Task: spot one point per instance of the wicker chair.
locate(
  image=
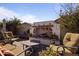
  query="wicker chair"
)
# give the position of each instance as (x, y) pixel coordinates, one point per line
(70, 45)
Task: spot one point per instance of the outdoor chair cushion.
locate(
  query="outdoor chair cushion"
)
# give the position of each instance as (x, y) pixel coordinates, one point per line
(14, 49)
(71, 40)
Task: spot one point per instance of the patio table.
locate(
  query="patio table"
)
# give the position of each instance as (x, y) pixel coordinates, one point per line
(29, 44)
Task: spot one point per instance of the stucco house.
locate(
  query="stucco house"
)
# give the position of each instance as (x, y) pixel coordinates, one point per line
(38, 28)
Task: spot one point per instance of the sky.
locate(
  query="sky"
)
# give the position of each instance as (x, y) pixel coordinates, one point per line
(30, 12)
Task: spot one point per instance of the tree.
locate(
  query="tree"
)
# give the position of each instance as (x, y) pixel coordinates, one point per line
(12, 25)
(69, 19)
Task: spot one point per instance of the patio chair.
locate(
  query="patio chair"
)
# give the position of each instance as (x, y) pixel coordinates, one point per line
(9, 37)
(70, 45)
(5, 52)
(17, 51)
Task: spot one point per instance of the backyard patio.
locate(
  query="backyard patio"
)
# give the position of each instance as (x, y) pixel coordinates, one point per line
(18, 49)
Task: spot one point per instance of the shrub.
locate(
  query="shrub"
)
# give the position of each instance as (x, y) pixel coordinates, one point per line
(48, 52)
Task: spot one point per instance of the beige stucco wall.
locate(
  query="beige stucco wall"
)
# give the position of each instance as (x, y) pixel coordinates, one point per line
(24, 27)
(56, 29)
